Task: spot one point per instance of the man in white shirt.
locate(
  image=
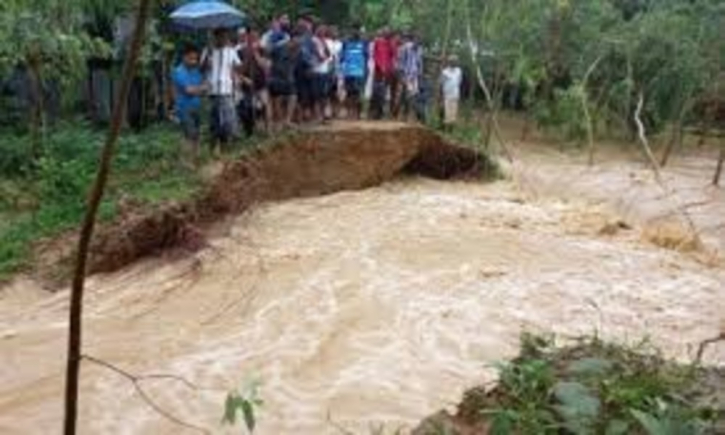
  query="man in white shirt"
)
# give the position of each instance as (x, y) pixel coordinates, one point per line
(222, 65)
(450, 81)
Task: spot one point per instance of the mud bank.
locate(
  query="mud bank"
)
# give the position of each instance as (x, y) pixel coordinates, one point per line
(345, 156)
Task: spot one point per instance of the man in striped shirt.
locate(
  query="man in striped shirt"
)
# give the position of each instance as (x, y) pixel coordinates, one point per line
(410, 71)
(222, 65)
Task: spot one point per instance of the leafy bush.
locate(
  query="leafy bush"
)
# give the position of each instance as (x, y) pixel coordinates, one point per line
(592, 388)
(53, 188)
(563, 113)
(15, 156)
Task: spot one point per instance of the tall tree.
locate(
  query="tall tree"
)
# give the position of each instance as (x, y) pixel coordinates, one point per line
(75, 338)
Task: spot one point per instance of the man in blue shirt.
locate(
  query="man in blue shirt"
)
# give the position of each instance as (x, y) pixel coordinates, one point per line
(354, 63)
(189, 86)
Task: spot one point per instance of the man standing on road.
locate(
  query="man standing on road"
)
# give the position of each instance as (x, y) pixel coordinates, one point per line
(354, 65)
(382, 74)
(450, 81)
(410, 70)
(222, 65)
(307, 61)
(282, 85)
(189, 86)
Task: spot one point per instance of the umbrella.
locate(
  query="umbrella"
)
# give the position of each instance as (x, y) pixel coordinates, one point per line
(207, 14)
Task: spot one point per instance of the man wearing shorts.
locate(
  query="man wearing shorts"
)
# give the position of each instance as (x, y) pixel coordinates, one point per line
(306, 63)
(282, 87)
(189, 86)
(354, 64)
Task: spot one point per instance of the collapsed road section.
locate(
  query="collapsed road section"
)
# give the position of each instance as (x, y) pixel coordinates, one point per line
(347, 156)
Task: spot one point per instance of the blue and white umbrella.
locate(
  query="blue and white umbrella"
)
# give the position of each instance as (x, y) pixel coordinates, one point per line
(207, 14)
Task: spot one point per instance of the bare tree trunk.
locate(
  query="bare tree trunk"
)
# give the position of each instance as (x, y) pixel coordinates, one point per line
(642, 133)
(630, 93)
(438, 97)
(585, 108)
(643, 139)
(486, 91)
(718, 170)
(677, 134)
(94, 200)
(37, 115)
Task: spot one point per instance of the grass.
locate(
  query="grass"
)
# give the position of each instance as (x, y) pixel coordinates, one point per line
(44, 197)
(593, 387)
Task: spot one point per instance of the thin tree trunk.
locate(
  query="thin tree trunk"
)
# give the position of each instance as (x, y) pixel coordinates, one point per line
(94, 200)
(37, 122)
(718, 170)
(585, 107)
(642, 133)
(677, 135)
(438, 97)
(486, 91)
(630, 92)
(498, 88)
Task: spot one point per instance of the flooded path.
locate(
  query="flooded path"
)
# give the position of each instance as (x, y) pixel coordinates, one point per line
(354, 309)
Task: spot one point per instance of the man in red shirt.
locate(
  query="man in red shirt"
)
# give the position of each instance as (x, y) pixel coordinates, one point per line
(384, 68)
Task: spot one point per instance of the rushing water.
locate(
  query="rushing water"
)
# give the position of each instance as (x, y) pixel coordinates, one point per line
(355, 309)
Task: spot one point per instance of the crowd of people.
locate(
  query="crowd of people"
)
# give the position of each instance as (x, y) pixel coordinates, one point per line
(303, 73)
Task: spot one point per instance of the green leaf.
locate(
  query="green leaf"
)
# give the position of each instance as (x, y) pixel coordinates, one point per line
(504, 422)
(617, 427)
(590, 367)
(248, 410)
(579, 408)
(230, 409)
(576, 396)
(651, 424)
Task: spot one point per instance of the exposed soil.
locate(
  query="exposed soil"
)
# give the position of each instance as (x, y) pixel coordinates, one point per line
(318, 162)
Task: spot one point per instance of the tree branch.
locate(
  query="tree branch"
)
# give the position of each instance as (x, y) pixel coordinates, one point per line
(642, 133)
(705, 344)
(136, 382)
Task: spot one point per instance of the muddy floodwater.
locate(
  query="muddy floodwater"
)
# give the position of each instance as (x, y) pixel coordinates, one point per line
(356, 309)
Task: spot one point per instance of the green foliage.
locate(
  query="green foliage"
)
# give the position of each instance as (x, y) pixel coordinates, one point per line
(247, 402)
(563, 113)
(671, 51)
(48, 197)
(49, 33)
(592, 388)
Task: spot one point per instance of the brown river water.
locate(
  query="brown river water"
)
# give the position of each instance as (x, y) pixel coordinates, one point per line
(353, 310)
